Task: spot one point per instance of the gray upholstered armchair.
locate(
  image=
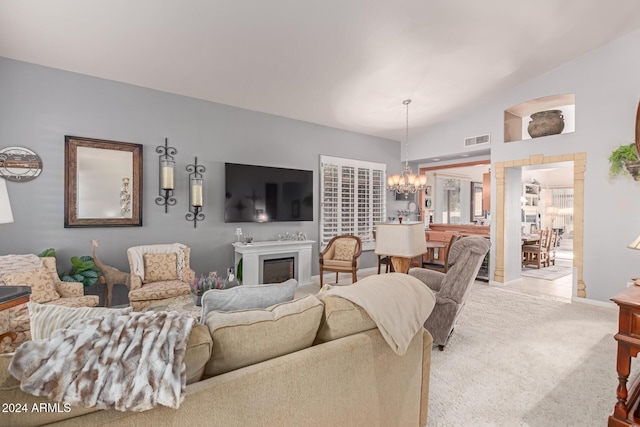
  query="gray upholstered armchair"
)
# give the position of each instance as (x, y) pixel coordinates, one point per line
(451, 289)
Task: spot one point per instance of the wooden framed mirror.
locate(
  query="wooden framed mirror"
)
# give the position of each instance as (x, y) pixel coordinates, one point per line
(103, 183)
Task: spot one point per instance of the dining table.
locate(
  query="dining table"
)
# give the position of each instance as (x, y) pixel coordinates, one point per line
(530, 239)
(431, 247)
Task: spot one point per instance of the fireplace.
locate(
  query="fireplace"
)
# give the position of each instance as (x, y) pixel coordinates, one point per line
(255, 254)
(278, 270)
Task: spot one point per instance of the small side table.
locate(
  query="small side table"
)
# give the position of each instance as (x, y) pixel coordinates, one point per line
(10, 296)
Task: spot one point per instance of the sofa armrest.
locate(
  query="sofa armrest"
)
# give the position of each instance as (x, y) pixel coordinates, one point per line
(427, 343)
(433, 279)
(136, 282)
(188, 275)
(70, 289)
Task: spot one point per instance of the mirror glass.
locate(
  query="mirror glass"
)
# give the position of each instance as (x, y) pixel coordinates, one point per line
(103, 183)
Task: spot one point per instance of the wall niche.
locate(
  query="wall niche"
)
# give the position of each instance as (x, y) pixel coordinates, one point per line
(518, 117)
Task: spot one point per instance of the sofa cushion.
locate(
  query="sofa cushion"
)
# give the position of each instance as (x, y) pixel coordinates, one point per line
(243, 338)
(341, 317)
(43, 289)
(247, 297)
(160, 267)
(198, 352)
(46, 318)
(160, 290)
(7, 381)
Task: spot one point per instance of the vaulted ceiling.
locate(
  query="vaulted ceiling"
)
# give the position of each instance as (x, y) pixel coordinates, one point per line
(347, 64)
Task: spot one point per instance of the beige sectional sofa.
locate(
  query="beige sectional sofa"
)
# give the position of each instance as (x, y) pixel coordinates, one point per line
(309, 362)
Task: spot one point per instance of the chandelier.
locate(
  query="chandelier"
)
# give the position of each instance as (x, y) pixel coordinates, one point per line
(407, 182)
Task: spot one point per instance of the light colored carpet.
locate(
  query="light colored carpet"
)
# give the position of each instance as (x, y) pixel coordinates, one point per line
(518, 360)
(563, 267)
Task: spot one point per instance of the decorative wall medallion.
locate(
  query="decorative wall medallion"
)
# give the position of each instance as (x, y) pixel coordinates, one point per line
(19, 164)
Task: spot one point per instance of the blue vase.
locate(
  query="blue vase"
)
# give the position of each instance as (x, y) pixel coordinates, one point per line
(197, 299)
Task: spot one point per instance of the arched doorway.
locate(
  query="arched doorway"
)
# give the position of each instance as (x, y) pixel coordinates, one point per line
(579, 166)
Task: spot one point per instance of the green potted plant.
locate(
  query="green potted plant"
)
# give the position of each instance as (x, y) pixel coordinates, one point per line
(624, 161)
(83, 269)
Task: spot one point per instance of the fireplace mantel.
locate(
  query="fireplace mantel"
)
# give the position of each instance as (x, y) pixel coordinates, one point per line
(253, 254)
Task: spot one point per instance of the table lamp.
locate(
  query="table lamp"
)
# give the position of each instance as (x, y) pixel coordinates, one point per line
(5, 207)
(401, 242)
(635, 245)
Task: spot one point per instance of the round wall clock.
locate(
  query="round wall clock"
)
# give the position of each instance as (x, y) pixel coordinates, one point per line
(19, 164)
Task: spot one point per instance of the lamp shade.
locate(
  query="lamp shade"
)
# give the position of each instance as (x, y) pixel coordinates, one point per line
(401, 240)
(5, 207)
(635, 244)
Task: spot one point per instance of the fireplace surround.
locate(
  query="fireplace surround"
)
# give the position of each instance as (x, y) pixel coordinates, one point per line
(254, 255)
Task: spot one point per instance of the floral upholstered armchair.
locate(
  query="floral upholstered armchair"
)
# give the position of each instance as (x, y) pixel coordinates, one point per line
(341, 255)
(41, 275)
(159, 274)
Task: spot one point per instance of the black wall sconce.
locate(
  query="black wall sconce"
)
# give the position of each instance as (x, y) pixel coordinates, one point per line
(167, 166)
(196, 183)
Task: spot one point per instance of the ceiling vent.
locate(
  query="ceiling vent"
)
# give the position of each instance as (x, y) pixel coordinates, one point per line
(477, 140)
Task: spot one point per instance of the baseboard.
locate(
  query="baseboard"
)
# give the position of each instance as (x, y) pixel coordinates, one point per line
(606, 304)
(505, 284)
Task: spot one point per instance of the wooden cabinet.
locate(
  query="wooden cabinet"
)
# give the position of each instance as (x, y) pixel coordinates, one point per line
(486, 191)
(626, 412)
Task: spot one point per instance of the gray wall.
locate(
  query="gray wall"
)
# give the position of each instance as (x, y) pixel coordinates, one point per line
(606, 87)
(39, 106)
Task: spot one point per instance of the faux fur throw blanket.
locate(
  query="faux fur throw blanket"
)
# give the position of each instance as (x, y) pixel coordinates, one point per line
(125, 361)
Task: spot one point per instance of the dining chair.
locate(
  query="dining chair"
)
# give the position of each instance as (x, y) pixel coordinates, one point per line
(536, 254)
(441, 262)
(552, 242)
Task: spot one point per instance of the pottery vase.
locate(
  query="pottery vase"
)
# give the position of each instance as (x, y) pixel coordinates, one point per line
(633, 168)
(544, 123)
(197, 299)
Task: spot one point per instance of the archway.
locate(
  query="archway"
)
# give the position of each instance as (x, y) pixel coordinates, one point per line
(579, 166)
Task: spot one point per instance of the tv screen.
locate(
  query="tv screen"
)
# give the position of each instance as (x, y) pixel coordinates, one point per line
(267, 194)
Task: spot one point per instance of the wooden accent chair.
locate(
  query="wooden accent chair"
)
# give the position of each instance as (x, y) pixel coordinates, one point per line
(452, 288)
(536, 254)
(159, 274)
(441, 261)
(342, 255)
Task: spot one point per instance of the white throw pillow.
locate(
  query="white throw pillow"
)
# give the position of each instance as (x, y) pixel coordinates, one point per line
(247, 297)
(47, 318)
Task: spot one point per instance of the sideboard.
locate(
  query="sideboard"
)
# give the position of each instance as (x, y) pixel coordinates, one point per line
(626, 411)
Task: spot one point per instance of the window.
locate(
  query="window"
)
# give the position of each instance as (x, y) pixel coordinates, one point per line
(352, 198)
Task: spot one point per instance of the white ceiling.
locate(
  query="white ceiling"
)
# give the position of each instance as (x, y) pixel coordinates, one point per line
(348, 64)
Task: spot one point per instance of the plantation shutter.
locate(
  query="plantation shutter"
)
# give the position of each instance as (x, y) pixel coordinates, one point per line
(353, 198)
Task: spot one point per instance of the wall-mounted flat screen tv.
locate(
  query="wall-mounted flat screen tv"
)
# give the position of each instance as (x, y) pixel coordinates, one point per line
(267, 194)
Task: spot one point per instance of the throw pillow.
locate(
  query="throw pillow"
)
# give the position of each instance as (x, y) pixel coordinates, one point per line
(247, 297)
(160, 267)
(44, 319)
(243, 338)
(43, 289)
(345, 249)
